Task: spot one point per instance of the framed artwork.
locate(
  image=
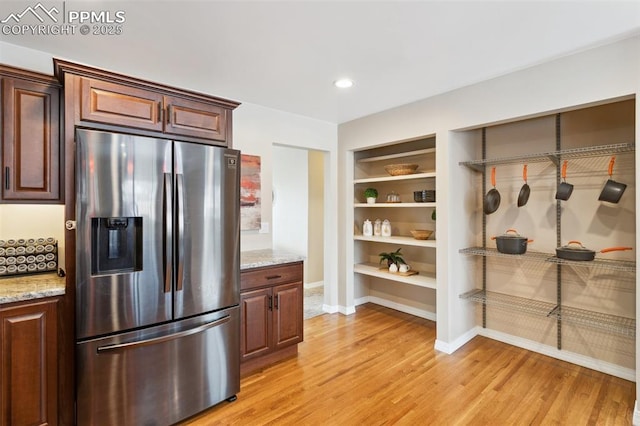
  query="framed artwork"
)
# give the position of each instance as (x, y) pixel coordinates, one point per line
(250, 206)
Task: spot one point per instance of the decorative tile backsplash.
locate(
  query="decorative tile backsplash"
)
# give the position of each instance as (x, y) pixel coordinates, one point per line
(28, 256)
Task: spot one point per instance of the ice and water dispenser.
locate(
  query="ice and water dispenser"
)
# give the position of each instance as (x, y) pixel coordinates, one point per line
(116, 245)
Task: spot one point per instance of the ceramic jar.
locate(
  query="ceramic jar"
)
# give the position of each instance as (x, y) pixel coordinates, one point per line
(367, 228)
(386, 228)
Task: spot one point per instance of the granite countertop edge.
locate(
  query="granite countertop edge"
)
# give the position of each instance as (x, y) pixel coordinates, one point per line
(266, 257)
(21, 288)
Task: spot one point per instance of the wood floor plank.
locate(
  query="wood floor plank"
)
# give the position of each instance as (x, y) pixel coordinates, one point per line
(379, 367)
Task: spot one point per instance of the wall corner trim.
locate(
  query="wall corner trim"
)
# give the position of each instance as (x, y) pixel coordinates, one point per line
(450, 348)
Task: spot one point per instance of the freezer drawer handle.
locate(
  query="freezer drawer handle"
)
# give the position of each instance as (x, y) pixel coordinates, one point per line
(156, 340)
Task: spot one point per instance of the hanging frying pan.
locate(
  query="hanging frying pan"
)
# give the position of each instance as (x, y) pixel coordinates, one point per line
(523, 196)
(612, 190)
(564, 189)
(492, 199)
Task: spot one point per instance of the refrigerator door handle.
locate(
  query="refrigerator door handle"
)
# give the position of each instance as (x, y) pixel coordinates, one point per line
(162, 339)
(180, 236)
(167, 220)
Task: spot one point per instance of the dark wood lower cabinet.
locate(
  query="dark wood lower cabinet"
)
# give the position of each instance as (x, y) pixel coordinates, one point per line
(29, 378)
(271, 300)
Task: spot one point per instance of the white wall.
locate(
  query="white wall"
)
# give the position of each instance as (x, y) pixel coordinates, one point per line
(290, 200)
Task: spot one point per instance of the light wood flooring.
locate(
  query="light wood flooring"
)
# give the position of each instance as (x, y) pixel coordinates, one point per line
(379, 367)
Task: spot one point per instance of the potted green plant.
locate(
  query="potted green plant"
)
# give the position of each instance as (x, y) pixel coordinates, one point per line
(392, 258)
(371, 194)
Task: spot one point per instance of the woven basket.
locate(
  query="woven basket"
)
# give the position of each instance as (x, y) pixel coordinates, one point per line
(401, 169)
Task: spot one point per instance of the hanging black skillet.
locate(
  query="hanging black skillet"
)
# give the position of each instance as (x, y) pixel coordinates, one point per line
(523, 196)
(564, 189)
(492, 199)
(612, 190)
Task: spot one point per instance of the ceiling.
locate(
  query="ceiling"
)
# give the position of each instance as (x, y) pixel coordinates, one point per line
(286, 55)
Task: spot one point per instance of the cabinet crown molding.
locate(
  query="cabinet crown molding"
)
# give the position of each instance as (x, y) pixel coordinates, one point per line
(60, 67)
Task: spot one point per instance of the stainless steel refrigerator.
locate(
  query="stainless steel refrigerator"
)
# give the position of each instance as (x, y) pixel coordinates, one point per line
(157, 278)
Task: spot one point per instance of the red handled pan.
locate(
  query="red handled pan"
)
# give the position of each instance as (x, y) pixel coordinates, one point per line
(564, 189)
(523, 196)
(612, 190)
(574, 250)
(492, 198)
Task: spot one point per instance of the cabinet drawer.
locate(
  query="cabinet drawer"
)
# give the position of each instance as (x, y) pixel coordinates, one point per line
(270, 275)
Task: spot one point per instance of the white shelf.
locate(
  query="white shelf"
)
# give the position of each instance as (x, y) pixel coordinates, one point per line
(423, 279)
(396, 205)
(407, 241)
(421, 175)
(399, 155)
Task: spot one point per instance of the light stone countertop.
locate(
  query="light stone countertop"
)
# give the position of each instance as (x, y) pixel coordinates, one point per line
(17, 288)
(267, 257)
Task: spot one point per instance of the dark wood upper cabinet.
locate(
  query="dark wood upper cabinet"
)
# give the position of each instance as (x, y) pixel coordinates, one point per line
(193, 118)
(106, 100)
(120, 105)
(31, 168)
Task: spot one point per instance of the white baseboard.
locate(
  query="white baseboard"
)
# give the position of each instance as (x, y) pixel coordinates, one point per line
(572, 357)
(330, 309)
(450, 348)
(397, 306)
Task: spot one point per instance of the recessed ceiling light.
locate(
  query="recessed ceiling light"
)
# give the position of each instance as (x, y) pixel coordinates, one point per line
(343, 83)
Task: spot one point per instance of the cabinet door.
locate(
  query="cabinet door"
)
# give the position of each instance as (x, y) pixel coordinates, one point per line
(120, 105)
(287, 314)
(30, 141)
(28, 360)
(255, 326)
(196, 119)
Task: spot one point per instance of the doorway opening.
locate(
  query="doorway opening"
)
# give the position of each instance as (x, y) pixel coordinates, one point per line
(298, 216)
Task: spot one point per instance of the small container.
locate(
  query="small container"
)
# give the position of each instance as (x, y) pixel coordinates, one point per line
(393, 197)
(377, 228)
(367, 228)
(386, 228)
